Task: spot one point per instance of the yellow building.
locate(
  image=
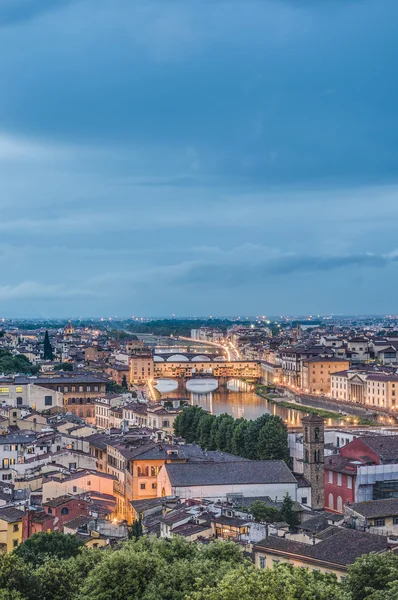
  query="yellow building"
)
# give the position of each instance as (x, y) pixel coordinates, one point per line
(316, 373)
(141, 367)
(10, 528)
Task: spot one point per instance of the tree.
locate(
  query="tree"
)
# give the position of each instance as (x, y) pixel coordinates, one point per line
(124, 382)
(56, 580)
(47, 348)
(261, 512)
(122, 575)
(41, 546)
(273, 440)
(370, 574)
(284, 582)
(135, 530)
(288, 513)
(18, 576)
(63, 367)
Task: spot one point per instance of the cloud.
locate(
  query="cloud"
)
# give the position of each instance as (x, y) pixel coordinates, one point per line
(248, 264)
(32, 289)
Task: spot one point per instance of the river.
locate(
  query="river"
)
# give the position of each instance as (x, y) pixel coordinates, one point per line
(238, 400)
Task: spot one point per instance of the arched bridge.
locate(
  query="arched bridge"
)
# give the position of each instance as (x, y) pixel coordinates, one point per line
(189, 357)
(227, 369)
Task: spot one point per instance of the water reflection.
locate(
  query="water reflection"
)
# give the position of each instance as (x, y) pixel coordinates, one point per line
(239, 400)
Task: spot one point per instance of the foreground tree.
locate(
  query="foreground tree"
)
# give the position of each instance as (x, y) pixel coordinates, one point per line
(281, 583)
(42, 546)
(371, 575)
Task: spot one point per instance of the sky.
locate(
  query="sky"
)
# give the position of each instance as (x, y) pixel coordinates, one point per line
(198, 157)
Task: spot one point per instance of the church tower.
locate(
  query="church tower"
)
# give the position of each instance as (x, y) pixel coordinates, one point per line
(314, 461)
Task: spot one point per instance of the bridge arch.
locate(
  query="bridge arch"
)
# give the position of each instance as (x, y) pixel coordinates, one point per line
(177, 358)
(200, 358)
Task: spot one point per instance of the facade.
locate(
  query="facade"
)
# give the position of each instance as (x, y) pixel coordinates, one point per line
(365, 387)
(216, 480)
(141, 367)
(64, 509)
(11, 528)
(313, 467)
(31, 395)
(316, 376)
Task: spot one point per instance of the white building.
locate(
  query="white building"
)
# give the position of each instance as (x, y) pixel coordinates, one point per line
(215, 480)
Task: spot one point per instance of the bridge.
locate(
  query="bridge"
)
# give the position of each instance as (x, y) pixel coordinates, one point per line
(223, 370)
(188, 357)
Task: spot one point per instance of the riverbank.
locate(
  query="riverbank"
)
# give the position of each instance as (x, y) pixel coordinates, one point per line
(262, 391)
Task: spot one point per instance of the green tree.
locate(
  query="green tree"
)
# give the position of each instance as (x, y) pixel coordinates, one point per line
(122, 575)
(284, 582)
(263, 513)
(65, 366)
(18, 576)
(288, 514)
(124, 382)
(42, 546)
(273, 440)
(239, 437)
(47, 348)
(372, 573)
(135, 530)
(56, 580)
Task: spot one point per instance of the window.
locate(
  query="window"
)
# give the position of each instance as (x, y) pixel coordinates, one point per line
(339, 479)
(316, 434)
(330, 476)
(349, 482)
(262, 562)
(154, 486)
(380, 522)
(395, 521)
(19, 401)
(15, 543)
(50, 511)
(304, 500)
(306, 456)
(64, 511)
(142, 486)
(153, 471)
(48, 400)
(74, 489)
(15, 527)
(331, 503)
(339, 504)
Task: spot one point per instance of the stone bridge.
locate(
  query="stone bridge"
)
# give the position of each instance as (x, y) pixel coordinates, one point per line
(221, 370)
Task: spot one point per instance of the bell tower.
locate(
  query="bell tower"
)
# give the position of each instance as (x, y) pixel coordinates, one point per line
(314, 461)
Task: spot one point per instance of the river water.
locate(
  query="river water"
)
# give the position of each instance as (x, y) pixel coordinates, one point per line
(238, 400)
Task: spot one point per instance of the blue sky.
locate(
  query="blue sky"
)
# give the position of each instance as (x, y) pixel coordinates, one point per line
(198, 157)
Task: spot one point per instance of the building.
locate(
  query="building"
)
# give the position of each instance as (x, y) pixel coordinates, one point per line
(141, 367)
(313, 467)
(365, 469)
(365, 387)
(64, 509)
(79, 483)
(216, 480)
(375, 516)
(316, 373)
(332, 554)
(31, 395)
(10, 528)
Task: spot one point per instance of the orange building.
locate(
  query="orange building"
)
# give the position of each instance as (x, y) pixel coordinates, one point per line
(316, 373)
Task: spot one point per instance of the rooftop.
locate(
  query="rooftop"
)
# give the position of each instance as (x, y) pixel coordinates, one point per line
(228, 473)
(342, 548)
